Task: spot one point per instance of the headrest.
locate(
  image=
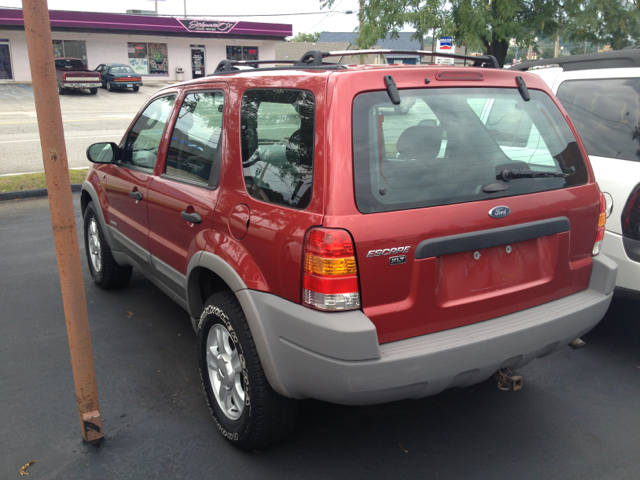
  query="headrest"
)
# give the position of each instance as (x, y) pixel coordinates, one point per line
(419, 143)
(299, 149)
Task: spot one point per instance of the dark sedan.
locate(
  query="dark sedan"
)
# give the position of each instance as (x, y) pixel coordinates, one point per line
(118, 75)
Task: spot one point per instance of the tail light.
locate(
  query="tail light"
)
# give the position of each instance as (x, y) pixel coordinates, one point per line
(64, 77)
(602, 219)
(631, 215)
(330, 273)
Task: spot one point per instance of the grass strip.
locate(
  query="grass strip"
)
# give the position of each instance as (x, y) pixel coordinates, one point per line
(33, 181)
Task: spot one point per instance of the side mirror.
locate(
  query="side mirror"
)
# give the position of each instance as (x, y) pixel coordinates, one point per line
(104, 152)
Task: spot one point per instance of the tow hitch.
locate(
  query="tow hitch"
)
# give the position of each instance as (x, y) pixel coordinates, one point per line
(507, 380)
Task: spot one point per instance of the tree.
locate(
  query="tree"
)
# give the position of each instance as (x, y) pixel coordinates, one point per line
(490, 23)
(306, 37)
(602, 22)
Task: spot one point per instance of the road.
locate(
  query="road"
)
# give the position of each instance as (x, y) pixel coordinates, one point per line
(87, 119)
(577, 417)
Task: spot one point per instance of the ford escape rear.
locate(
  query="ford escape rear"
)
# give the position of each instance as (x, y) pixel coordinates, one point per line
(354, 234)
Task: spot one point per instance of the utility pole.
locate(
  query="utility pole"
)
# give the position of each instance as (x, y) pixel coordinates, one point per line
(361, 25)
(54, 154)
(185, 8)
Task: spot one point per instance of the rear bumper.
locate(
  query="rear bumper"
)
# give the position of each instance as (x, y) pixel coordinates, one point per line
(628, 269)
(125, 84)
(82, 85)
(336, 357)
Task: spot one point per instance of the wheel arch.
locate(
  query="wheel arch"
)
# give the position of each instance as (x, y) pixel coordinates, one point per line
(207, 274)
(89, 194)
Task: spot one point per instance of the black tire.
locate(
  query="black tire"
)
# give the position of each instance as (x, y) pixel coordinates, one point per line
(109, 87)
(104, 85)
(266, 417)
(93, 90)
(135, 89)
(105, 271)
(61, 91)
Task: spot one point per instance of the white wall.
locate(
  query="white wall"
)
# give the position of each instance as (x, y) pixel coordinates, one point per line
(19, 55)
(112, 48)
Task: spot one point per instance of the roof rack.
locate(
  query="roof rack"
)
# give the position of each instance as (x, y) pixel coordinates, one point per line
(627, 58)
(315, 59)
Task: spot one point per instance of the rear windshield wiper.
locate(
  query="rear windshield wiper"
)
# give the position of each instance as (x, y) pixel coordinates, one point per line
(509, 174)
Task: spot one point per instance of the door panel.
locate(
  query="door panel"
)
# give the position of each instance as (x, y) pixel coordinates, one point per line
(126, 214)
(182, 199)
(129, 178)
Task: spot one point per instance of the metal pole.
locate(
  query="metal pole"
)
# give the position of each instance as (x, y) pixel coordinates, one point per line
(361, 25)
(54, 155)
(185, 8)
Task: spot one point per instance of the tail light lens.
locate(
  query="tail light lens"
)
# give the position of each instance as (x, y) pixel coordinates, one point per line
(330, 273)
(602, 219)
(631, 215)
(64, 77)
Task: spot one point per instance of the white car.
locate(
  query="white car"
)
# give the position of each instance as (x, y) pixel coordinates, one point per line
(601, 94)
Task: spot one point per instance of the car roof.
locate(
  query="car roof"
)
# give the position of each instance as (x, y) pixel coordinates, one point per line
(116, 65)
(626, 58)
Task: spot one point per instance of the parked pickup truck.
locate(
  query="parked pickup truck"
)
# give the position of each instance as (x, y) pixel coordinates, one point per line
(73, 73)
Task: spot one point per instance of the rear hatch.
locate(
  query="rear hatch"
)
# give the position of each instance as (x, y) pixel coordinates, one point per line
(444, 238)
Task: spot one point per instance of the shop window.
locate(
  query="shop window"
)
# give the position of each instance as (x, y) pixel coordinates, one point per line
(5, 60)
(71, 49)
(242, 53)
(148, 58)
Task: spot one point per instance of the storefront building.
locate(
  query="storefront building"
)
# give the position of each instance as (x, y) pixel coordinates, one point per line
(155, 47)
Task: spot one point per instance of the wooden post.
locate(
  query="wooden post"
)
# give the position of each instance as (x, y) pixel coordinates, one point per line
(65, 236)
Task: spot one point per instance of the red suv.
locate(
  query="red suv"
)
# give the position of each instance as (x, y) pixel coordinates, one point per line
(355, 234)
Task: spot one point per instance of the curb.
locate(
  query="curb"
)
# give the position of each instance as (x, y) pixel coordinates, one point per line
(39, 192)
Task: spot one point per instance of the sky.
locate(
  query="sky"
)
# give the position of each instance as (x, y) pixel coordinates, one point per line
(323, 20)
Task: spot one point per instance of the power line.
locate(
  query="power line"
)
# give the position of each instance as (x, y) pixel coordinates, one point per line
(345, 12)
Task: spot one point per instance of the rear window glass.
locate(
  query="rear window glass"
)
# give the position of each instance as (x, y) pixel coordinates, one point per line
(70, 64)
(444, 146)
(606, 114)
(277, 145)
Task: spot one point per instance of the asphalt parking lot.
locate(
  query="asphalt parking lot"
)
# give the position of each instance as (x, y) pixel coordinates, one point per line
(578, 415)
(87, 119)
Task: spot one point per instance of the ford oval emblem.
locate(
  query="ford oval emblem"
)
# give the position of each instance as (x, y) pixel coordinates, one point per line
(499, 212)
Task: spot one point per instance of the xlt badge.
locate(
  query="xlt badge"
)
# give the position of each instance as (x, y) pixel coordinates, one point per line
(398, 260)
(387, 251)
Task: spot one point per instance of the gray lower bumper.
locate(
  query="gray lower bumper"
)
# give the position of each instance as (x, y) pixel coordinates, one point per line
(335, 357)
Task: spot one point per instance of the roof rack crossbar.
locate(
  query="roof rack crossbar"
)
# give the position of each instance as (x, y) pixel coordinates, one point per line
(315, 59)
(490, 60)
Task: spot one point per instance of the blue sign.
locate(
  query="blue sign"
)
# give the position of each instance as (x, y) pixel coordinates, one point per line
(445, 43)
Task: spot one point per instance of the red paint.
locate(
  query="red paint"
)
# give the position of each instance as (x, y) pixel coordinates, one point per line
(263, 242)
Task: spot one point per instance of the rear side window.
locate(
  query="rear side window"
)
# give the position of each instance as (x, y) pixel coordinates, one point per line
(606, 113)
(194, 152)
(444, 146)
(277, 145)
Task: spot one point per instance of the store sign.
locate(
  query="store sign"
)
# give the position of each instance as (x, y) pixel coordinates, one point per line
(444, 44)
(207, 25)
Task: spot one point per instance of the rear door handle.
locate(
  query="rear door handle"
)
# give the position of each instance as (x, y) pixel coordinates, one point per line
(191, 217)
(136, 195)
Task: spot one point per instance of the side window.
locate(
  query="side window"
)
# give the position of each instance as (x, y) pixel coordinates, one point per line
(143, 141)
(606, 113)
(195, 151)
(277, 131)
